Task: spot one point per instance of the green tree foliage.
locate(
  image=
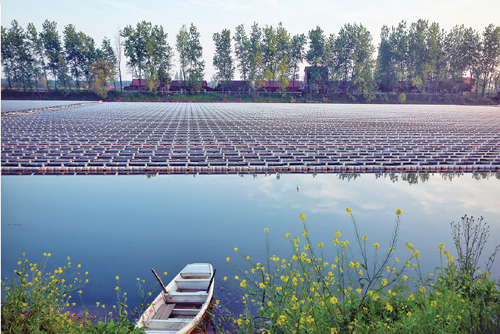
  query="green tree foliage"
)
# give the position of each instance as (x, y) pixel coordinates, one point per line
(108, 54)
(196, 64)
(148, 52)
(355, 58)
(248, 52)
(296, 55)
(489, 63)
(18, 57)
(159, 58)
(52, 48)
(315, 56)
(182, 48)
(134, 43)
(412, 57)
(222, 60)
(101, 72)
(462, 47)
(36, 47)
(242, 54)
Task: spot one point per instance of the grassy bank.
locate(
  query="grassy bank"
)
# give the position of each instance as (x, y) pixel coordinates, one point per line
(365, 288)
(391, 98)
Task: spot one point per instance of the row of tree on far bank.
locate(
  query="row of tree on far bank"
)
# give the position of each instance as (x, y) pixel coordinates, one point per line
(417, 57)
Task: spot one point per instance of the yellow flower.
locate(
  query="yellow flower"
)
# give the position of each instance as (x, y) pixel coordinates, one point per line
(399, 212)
(266, 229)
(422, 289)
(287, 235)
(262, 285)
(376, 246)
(227, 259)
(302, 217)
(236, 277)
(117, 278)
(235, 249)
(320, 244)
(243, 283)
(117, 288)
(388, 307)
(365, 238)
(440, 247)
(337, 234)
(348, 210)
(48, 254)
(408, 314)
(165, 273)
(225, 278)
(333, 300)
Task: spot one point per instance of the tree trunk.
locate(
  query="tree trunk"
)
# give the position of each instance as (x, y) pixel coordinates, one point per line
(485, 82)
(121, 86)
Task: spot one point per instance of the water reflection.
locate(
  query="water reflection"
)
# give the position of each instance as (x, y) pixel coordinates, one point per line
(126, 225)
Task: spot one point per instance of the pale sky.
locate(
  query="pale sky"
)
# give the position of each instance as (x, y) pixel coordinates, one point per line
(104, 18)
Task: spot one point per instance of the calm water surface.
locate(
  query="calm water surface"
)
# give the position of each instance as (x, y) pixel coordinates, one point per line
(125, 225)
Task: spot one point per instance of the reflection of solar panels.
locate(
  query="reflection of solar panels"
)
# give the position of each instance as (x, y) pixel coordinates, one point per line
(135, 138)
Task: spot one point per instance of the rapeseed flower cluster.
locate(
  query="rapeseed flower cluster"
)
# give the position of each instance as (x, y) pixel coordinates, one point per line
(306, 293)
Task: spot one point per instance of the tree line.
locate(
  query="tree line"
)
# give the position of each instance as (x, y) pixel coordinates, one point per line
(416, 57)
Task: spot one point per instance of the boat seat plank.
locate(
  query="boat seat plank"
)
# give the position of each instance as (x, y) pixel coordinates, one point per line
(196, 270)
(191, 290)
(164, 311)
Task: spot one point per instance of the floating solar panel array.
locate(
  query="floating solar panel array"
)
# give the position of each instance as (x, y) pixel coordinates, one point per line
(180, 138)
(15, 108)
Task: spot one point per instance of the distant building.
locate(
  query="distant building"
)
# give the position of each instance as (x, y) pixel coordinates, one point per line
(275, 87)
(175, 86)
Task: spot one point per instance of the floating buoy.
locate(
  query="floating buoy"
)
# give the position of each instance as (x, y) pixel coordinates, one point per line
(298, 188)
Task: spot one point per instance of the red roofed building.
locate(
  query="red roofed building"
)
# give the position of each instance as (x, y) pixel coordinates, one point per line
(275, 87)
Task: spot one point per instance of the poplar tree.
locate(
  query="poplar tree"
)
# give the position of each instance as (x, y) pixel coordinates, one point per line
(222, 60)
(52, 48)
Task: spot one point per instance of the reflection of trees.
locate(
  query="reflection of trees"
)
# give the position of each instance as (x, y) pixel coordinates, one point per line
(451, 176)
(415, 178)
(349, 176)
(411, 178)
(485, 176)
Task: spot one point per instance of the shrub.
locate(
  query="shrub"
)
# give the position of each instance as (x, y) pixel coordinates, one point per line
(402, 98)
(37, 301)
(308, 293)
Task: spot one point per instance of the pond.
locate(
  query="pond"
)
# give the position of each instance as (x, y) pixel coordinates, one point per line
(124, 225)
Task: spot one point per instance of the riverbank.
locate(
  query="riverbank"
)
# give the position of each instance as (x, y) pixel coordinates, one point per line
(379, 98)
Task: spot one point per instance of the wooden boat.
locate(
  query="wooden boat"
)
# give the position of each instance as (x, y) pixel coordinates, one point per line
(182, 308)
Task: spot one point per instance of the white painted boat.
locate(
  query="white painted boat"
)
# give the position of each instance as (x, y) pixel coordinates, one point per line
(183, 307)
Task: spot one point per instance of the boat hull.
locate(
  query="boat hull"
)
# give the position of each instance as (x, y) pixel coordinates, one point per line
(185, 305)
